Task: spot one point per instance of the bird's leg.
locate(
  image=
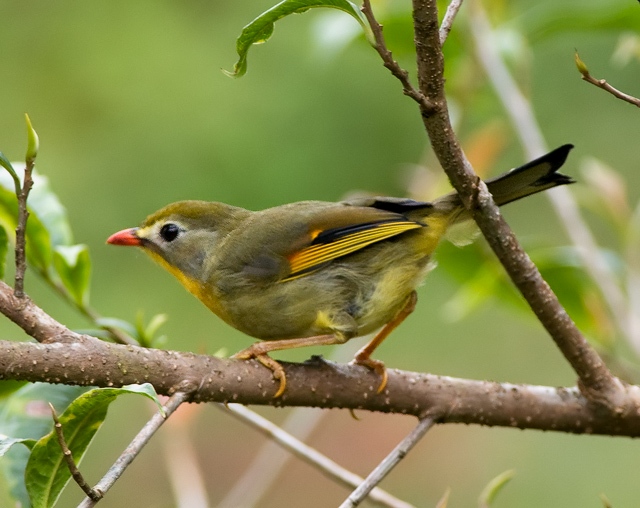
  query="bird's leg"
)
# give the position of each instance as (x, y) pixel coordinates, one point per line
(363, 357)
(260, 351)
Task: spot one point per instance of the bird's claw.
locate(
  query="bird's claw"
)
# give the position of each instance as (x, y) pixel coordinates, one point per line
(269, 363)
(375, 365)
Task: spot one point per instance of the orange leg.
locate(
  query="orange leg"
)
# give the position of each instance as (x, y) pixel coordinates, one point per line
(259, 351)
(363, 357)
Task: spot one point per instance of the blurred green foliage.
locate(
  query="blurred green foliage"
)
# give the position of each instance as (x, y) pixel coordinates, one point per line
(133, 112)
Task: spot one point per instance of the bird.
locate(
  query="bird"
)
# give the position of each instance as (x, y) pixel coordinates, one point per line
(313, 272)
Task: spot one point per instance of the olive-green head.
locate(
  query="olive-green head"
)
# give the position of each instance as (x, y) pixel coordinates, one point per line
(183, 235)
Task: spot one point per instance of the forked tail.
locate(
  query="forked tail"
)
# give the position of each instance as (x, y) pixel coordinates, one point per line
(535, 176)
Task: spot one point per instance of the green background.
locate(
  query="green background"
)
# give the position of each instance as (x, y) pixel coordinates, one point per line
(133, 113)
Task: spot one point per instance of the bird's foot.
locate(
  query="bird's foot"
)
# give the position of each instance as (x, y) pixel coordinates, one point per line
(268, 362)
(375, 365)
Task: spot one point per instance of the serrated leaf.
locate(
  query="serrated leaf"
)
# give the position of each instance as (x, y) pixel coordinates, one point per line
(26, 415)
(261, 28)
(47, 472)
(73, 265)
(493, 488)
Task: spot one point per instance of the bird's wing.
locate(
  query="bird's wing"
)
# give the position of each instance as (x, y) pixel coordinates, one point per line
(347, 228)
(330, 244)
(291, 241)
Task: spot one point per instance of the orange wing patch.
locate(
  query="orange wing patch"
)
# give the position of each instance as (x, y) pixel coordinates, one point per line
(315, 255)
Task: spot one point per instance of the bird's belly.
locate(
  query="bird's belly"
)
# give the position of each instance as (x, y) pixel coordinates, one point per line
(389, 297)
(351, 299)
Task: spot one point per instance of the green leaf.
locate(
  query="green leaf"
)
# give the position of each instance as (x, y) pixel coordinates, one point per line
(8, 387)
(261, 28)
(47, 472)
(145, 335)
(47, 226)
(493, 488)
(73, 266)
(7, 442)
(26, 415)
(4, 162)
(121, 324)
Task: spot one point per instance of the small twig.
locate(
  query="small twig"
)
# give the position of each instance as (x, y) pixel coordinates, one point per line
(23, 212)
(447, 21)
(601, 83)
(135, 447)
(311, 456)
(23, 215)
(71, 464)
(426, 106)
(389, 462)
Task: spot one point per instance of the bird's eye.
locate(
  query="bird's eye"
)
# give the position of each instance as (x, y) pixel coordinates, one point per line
(169, 232)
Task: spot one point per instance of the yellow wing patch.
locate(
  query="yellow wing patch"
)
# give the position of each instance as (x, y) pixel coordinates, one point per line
(314, 255)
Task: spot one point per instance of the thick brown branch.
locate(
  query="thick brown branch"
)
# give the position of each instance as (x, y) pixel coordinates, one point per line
(63, 356)
(595, 379)
(88, 361)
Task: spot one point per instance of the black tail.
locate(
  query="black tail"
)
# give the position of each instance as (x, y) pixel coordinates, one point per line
(535, 176)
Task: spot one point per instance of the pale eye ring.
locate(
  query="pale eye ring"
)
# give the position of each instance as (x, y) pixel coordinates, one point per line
(169, 232)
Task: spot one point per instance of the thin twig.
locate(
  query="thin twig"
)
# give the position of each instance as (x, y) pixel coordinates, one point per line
(518, 107)
(426, 106)
(389, 462)
(71, 464)
(309, 455)
(447, 21)
(135, 447)
(23, 215)
(601, 83)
